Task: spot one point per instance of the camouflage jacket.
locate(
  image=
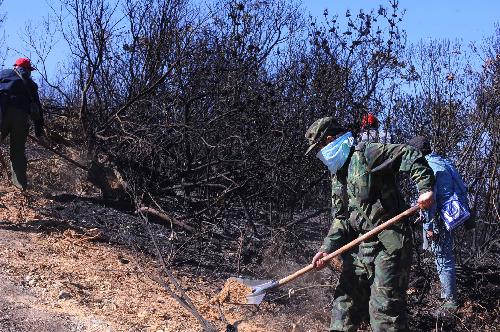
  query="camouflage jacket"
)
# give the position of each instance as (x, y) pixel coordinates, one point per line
(365, 193)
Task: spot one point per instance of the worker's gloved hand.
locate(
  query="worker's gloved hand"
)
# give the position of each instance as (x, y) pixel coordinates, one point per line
(318, 261)
(425, 200)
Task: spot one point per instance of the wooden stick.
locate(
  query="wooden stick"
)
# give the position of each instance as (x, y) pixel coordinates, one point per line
(59, 154)
(351, 244)
(165, 217)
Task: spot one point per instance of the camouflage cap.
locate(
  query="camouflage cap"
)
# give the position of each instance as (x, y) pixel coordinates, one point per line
(319, 130)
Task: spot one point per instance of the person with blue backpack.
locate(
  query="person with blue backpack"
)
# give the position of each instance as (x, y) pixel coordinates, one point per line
(450, 210)
(19, 101)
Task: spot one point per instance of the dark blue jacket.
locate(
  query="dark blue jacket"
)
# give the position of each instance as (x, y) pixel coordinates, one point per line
(19, 93)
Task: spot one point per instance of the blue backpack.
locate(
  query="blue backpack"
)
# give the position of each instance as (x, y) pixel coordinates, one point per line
(454, 211)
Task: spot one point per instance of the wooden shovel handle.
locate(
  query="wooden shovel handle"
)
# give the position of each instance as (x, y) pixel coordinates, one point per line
(351, 244)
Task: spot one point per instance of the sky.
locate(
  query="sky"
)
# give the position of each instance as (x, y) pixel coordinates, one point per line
(469, 20)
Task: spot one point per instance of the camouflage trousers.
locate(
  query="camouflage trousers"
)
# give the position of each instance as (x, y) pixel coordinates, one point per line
(372, 285)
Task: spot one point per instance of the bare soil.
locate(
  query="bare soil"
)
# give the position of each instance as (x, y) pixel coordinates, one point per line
(22, 310)
(233, 292)
(60, 276)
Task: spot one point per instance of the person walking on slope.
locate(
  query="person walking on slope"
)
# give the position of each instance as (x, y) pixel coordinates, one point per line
(374, 276)
(448, 183)
(369, 128)
(19, 100)
(371, 131)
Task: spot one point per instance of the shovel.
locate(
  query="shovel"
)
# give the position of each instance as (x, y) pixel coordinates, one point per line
(260, 287)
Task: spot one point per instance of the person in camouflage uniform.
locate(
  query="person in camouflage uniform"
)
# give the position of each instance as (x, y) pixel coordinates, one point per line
(374, 276)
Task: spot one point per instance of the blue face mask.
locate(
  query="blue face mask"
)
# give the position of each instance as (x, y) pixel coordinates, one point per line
(335, 154)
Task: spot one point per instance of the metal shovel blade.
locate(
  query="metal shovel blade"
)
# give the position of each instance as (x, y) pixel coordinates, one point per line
(259, 289)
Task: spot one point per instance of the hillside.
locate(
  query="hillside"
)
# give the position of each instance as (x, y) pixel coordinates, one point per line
(72, 262)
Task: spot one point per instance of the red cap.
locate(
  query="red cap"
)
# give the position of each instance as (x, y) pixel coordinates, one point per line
(369, 120)
(24, 63)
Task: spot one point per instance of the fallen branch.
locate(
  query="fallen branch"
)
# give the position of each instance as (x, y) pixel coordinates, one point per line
(165, 217)
(59, 154)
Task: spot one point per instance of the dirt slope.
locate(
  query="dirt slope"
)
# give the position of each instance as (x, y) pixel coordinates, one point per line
(62, 277)
(21, 310)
